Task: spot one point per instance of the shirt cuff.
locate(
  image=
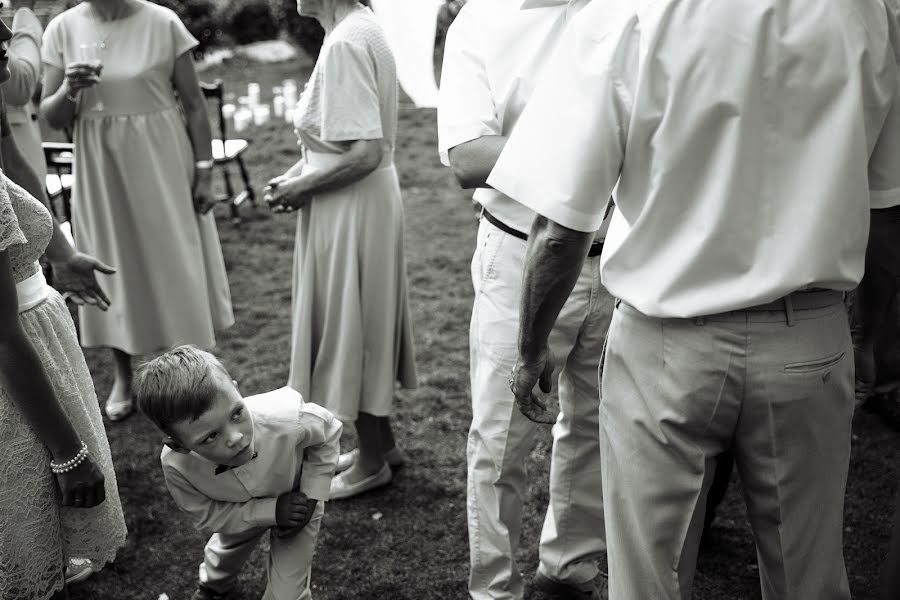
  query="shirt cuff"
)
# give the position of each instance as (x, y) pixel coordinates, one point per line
(546, 202)
(317, 488)
(262, 513)
(884, 198)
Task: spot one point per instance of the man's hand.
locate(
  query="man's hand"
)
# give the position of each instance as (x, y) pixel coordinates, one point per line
(285, 532)
(76, 278)
(291, 510)
(522, 380)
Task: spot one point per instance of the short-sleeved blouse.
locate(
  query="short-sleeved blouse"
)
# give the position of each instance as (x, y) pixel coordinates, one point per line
(352, 92)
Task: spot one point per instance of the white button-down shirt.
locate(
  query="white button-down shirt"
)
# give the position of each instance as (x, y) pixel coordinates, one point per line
(745, 136)
(495, 52)
(296, 443)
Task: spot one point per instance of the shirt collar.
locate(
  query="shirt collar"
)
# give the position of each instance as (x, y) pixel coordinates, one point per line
(526, 4)
(222, 468)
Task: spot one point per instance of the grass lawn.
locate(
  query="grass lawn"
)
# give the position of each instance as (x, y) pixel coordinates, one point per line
(418, 548)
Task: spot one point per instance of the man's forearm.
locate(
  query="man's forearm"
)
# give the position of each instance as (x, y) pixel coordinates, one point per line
(553, 262)
(473, 161)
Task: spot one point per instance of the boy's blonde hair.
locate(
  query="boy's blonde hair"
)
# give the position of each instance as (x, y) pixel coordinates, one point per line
(177, 386)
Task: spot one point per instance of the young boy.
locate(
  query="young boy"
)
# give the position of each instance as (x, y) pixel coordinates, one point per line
(241, 467)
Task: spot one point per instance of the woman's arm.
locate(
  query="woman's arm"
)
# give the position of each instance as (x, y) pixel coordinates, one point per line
(361, 158)
(57, 104)
(188, 87)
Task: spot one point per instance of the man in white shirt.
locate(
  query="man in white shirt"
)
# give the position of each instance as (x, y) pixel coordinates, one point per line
(745, 137)
(495, 52)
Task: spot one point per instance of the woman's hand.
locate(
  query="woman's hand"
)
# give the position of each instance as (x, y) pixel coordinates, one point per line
(202, 192)
(76, 277)
(81, 75)
(83, 486)
(286, 194)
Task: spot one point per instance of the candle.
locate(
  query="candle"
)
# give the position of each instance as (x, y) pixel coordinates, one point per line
(261, 114)
(278, 105)
(228, 111)
(289, 114)
(242, 119)
(289, 91)
(253, 93)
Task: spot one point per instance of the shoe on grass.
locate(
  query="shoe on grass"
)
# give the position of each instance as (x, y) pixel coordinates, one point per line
(205, 593)
(341, 488)
(395, 457)
(78, 569)
(118, 410)
(562, 590)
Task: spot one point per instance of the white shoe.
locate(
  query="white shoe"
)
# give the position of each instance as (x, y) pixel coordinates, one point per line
(116, 411)
(78, 569)
(341, 488)
(394, 457)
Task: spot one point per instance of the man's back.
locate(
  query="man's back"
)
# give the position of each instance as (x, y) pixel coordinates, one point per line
(742, 132)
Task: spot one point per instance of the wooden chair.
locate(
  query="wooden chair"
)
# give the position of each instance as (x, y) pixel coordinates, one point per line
(59, 157)
(228, 150)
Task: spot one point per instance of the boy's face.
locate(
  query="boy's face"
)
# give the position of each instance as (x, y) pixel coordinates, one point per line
(224, 433)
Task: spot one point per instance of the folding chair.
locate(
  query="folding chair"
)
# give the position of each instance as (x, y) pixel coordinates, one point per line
(59, 157)
(226, 151)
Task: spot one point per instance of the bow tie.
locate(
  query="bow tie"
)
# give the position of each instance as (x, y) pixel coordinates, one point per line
(222, 468)
(526, 4)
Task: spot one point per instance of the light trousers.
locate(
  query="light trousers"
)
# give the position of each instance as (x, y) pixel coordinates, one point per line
(288, 568)
(500, 438)
(678, 392)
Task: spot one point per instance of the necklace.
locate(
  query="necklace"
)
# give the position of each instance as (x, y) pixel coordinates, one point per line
(95, 22)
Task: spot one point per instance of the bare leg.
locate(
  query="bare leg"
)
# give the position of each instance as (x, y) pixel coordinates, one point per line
(119, 404)
(371, 447)
(388, 442)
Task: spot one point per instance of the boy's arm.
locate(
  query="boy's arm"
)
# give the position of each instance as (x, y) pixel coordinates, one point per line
(321, 442)
(217, 515)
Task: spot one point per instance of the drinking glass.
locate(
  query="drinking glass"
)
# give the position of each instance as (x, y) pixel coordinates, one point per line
(91, 53)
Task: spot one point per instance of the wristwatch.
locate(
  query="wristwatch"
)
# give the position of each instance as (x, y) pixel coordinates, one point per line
(204, 164)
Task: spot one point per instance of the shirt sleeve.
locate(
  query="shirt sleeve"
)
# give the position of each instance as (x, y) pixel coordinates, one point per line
(320, 439)
(466, 109)
(216, 515)
(52, 44)
(182, 39)
(884, 163)
(564, 157)
(24, 58)
(351, 109)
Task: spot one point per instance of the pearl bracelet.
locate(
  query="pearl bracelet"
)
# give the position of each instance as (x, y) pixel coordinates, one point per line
(71, 463)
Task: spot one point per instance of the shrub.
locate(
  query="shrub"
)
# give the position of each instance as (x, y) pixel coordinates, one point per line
(246, 21)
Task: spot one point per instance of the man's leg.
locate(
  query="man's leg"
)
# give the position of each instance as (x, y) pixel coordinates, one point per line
(224, 557)
(573, 538)
(670, 399)
(792, 449)
(290, 561)
(891, 572)
(500, 436)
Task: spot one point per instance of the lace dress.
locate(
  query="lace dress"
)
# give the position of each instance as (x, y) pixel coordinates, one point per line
(36, 534)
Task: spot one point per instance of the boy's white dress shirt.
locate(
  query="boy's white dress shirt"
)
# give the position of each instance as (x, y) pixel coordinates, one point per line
(296, 442)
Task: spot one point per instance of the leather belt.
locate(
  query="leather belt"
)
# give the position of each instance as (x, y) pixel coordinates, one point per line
(596, 247)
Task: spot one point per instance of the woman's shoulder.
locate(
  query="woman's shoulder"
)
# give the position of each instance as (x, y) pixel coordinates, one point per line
(359, 31)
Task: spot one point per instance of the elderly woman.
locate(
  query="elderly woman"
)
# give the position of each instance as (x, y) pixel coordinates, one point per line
(112, 69)
(352, 336)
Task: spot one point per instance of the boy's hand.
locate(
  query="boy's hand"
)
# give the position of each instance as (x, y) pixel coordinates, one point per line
(291, 510)
(283, 532)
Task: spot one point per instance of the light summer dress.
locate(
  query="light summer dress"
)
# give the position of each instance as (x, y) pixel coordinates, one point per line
(36, 534)
(131, 201)
(352, 332)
